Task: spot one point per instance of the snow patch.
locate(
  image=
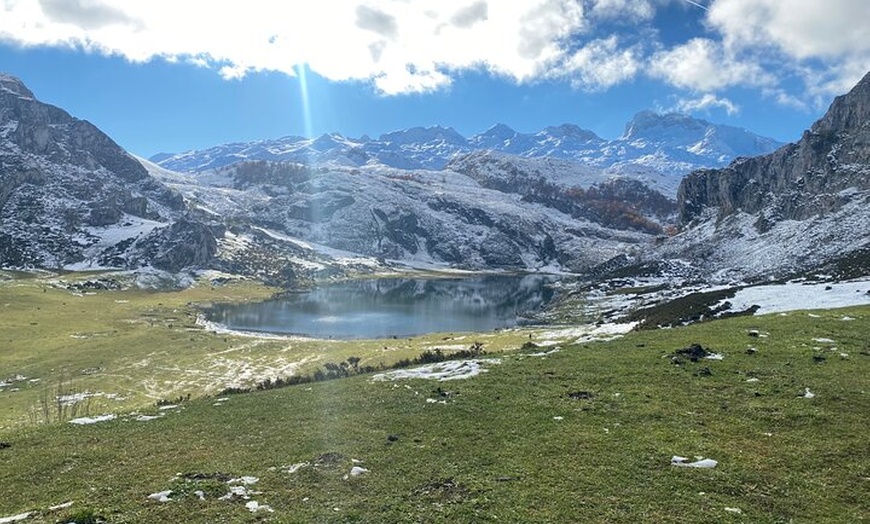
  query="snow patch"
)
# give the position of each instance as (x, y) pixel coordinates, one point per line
(93, 420)
(161, 496)
(254, 506)
(441, 371)
(683, 462)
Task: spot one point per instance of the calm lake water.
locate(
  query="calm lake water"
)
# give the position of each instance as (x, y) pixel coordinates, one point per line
(385, 308)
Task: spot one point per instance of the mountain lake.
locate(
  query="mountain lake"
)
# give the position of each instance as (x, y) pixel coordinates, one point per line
(394, 307)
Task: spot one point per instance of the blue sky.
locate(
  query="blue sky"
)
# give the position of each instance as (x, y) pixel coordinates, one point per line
(163, 76)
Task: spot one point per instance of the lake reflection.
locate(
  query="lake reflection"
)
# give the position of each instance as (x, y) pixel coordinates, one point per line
(384, 308)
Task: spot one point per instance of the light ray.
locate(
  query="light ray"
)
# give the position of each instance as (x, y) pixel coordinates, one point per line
(306, 103)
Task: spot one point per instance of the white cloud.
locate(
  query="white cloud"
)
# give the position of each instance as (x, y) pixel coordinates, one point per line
(706, 102)
(800, 35)
(800, 28)
(705, 65)
(401, 46)
(601, 64)
(632, 10)
(421, 45)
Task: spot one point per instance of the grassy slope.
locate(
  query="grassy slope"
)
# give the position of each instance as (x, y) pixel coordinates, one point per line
(145, 346)
(495, 451)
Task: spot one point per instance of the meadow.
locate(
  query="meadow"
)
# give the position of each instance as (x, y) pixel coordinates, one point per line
(579, 431)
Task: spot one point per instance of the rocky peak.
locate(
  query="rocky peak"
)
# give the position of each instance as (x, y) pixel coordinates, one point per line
(849, 111)
(798, 181)
(647, 123)
(571, 131)
(424, 135)
(497, 132)
(64, 183)
(14, 86)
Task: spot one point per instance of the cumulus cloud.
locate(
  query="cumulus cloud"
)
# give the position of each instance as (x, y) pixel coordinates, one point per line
(405, 46)
(702, 64)
(632, 10)
(400, 46)
(801, 34)
(800, 28)
(470, 15)
(87, 14)
(377, 21)
(705, 103)
(601, 64)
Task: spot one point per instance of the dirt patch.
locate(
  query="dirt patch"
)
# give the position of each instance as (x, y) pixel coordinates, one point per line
(580, 395)
(330, 460)
(443, 491)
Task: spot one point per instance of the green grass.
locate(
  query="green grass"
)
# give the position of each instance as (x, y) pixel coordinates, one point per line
(138, 347)
(495, 452)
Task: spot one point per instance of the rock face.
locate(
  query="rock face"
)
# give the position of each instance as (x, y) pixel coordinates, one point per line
(799, 180)
(62, 182)
(419, 217)
(805, 204)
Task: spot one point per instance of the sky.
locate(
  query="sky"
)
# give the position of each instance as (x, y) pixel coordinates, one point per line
(170, 76)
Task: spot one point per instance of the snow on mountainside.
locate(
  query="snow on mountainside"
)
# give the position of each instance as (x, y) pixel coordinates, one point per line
(418, 217)
(670, 145)
(805, 206)
(562, 199)
(68, 193)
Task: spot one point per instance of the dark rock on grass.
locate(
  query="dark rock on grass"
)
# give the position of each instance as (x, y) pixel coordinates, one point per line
(223, 477)
(443, 393)
(443, 491)
(694, 352)
(5, 445)
(580, 395)
(392, 438)
(818, 359)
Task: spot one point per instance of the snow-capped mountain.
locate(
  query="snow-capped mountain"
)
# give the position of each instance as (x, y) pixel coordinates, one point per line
(805, 206)
(670, 144)
(421, 217)
(69, 196)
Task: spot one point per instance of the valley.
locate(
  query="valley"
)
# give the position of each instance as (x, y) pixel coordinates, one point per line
(578, 422)
(684, 293)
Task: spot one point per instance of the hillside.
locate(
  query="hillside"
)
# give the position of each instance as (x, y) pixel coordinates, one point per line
(580, 432)
(799, 208)
(67, 191)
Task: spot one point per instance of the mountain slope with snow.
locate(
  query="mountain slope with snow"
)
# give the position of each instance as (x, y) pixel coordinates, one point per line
(804, 206)
(652, 145)
(67, 191)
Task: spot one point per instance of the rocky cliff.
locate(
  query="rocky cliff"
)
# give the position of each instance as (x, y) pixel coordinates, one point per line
(797, 181)
(63, 183)
(805, 205)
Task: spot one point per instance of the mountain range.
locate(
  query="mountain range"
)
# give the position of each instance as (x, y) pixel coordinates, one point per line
(562, 199)
(652, 144)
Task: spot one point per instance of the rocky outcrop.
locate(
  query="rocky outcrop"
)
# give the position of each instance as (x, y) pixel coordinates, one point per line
(797, 181)
(64, 183)
(183, 244)
(804, 207)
